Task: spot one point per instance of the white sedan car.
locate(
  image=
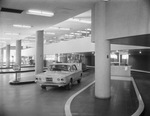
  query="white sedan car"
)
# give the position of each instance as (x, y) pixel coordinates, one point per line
(59, 75)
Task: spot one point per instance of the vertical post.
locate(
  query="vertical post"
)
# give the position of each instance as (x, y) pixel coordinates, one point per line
(102, 51)
(1, 58)
(18, 52)
(119, 59)
(8, 56)
(39, 52)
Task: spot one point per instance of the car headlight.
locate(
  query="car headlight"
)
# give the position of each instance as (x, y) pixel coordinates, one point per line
(58, 79)
(62, 79)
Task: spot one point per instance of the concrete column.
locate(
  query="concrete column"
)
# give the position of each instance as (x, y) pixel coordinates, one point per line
(102, 51)
(2, 53)
(7, 55)
(39, 52)
(18, 52)
(56, 57)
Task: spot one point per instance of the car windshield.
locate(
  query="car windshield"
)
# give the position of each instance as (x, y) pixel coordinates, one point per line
(59, 68)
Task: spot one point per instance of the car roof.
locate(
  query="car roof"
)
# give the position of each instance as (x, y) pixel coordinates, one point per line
(62, 64)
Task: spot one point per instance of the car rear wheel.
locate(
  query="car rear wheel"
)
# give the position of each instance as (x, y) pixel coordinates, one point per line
(43, 87)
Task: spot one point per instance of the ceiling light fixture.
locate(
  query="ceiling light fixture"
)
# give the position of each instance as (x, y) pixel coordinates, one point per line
(79, 20)
(2, 41)
(21, 26)
(49, 33)
(11, 33)
(88, 29)
(40, 13)
(65, 29)
(69, 35)
(75, 33)
(54, 28)
(5, 38)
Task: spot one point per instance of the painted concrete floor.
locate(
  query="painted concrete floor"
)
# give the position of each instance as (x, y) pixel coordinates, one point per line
(123, 101)
(31, 100)
(143, 83)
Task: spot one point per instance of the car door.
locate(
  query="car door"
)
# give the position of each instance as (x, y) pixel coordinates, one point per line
(76, 73)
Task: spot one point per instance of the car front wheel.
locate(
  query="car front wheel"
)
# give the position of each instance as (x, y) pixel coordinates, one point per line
(43, 87)
(79, 81)
(69, 85)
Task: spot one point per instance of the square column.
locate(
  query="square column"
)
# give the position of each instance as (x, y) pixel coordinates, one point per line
(18, 52)
(8, 56)
(102, 51)
(39, 52)
(1, 57)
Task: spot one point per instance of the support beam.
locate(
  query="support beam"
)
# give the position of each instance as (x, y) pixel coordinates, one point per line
(102, 51)
(18, 52)
(39, 52)
(8, 56)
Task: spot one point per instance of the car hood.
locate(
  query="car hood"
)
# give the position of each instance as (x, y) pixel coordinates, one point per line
(54, 74)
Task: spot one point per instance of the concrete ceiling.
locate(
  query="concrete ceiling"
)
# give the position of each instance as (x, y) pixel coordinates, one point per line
(63, 9)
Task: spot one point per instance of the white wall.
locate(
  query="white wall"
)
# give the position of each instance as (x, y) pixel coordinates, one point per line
(76, 45)
(127, 18)
(71, 46)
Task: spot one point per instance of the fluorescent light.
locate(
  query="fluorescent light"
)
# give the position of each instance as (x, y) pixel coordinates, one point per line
(40, 13)
(78, 20)
(88, 29)
(54, 28)
(75, 33)
(5, 38)
(69, 35)
(49, 33)
(2, 41)
(65, 29)
(60, 28)
(21, 26)
(11, 33)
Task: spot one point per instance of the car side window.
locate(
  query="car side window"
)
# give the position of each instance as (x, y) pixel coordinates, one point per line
(69, 68)
(74, 68)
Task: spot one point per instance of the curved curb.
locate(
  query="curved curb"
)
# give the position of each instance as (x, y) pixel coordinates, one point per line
(67, 105)
(141, 103)
(137, 113)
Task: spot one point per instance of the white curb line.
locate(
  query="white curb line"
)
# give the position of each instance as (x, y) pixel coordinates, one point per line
(138, 111)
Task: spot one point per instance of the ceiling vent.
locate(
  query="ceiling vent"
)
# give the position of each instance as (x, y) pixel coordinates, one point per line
(10, 10)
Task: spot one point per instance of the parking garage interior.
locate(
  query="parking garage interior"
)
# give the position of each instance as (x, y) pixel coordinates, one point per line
(113, 54)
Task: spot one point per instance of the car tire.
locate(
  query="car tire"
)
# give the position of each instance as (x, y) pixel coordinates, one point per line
(43, 87)
(79, 81)
(69, 85)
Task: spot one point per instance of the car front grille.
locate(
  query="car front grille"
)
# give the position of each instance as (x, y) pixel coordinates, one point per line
(49, 79)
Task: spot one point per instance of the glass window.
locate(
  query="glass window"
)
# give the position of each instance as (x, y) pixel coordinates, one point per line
(59, 68)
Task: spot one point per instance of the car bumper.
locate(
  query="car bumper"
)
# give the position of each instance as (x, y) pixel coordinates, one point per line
(53, 84)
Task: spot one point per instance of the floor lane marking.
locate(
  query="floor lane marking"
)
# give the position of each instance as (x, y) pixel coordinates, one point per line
(138, 111)
(68, 103)
(141, 103)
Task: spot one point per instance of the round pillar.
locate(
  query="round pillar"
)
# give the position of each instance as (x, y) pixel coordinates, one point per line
(39, 52)
(102, 51)
(18, 52)
(2, 53)
(8, 56)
